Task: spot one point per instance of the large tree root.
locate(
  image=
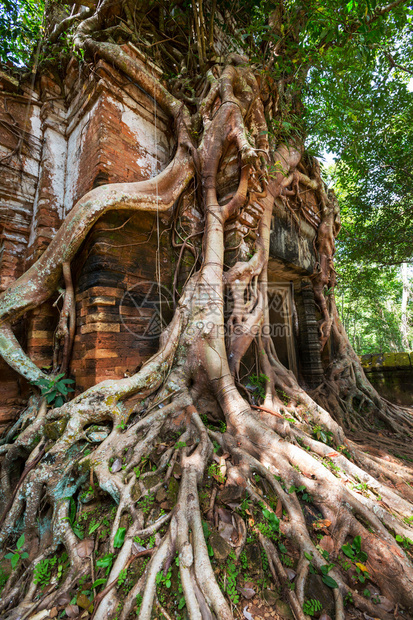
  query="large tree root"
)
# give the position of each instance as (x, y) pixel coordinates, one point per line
(122, 442)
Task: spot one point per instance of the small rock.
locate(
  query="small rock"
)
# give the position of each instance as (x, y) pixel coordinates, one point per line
(72, 611)
(247, 592)
(98, 436)
(284, 610)
(160, 495)
(253, 553)
(270, 597)
(63, 599)
(83, 601)
(220, 546)
(385, 604)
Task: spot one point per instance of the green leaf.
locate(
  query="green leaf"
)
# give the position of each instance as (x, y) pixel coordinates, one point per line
(24, 555)
(357, 544)
(93, 527)
(20, 542)
(329, 581)
(106, 561)
(399, 538)
(347, 549)
(78, 532)
(62, 388)
(14, 560)
(119, 537)
(98, 582)
(309, 556)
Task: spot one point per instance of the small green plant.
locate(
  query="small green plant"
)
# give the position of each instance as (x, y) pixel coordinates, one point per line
(273, 521)
(180, 444)
(122, 577)
(17, 555)
(259, 382)
(119, 538)
(165, 580)
(138, 603)
(43, 571)
(312, 606)
(348, 599)
(215, 472)
(231, 583)
(146, 503)
(323, 435)
(305, 496)
(287, 561)
(329, 581)
(3, 578)
(404, 541)
(355, 553)
(55, 389)
(105, 562)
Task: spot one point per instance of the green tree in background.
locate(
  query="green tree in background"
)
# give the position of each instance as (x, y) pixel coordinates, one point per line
(20, 29)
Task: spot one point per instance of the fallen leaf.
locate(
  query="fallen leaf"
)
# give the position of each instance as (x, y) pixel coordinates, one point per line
(321, 523)
(361, 567)
(327, 543)
(247, 592)
(332, 455)
(53, 612)
(85, 547)
(63, 599)
(72, 611)
(225, 515)
(290, 574)
(228, 533)
(324, 616)
(247, 614)
(116, 466)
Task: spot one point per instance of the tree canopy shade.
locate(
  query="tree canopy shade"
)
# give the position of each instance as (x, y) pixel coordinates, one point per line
(267, 455)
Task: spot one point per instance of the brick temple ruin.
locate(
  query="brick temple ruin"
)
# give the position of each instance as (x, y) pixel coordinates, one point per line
(60, 140)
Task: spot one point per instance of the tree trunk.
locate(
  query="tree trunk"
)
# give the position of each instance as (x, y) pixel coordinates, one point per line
(404, 325)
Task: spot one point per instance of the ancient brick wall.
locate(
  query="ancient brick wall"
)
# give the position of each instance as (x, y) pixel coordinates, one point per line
(57, 142)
